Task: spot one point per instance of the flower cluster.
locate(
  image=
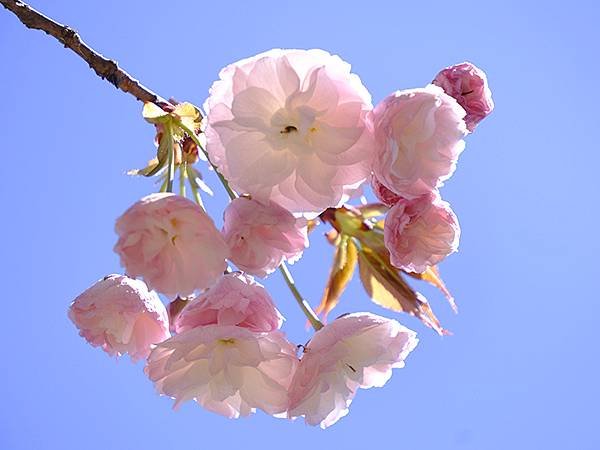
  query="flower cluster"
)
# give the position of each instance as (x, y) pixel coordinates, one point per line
(293, 136)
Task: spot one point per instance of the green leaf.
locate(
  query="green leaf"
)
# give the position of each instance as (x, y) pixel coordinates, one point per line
(188, 116)
(344, 264)
(154, 114)
(372, 210)
(350, 221)
(388, 289)
(147, 171)
(162, 153)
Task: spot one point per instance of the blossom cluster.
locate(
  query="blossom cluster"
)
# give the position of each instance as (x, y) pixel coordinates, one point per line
(293, 133)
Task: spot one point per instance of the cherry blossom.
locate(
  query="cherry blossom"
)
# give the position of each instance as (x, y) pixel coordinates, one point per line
(228, 370)
(419, 135)
(121, 316)
(291, 126)
(236, 299)
(420, 233)
(354, 351)
(468, 84)
(262, 235)
(172, 243)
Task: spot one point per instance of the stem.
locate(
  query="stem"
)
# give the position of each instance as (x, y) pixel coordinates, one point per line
(191, 177)
(107, 69)
(304, 306)
(163, 186)
(193, 137)
(171, 151)
(182, 177)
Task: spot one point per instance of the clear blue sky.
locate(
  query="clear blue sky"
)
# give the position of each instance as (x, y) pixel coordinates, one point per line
(522, 369)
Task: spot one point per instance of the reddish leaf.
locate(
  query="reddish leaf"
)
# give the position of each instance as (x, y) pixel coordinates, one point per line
(332, 236)
(344, 264)
(312, 224)
(388, 289)
(432, 276)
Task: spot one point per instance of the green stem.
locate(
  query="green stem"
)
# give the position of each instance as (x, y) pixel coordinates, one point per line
(171, 149)
(304, 306)
(193, 137)
(191, 177)
(163, 186)
(182, 177)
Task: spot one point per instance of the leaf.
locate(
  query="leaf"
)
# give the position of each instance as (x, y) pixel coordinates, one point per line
(189, 116)
(388, 289)
(154, 114)
(332, 236)
(150, 168)
(162, 153)
(432, 276)
(155, 165)
(311, 224)
(372, 210)
(195, 177)
(344, 264)
(184, 114)
(350, 221)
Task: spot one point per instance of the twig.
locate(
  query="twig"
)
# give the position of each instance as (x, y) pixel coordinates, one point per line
(110, 71)
(104, 68)
(304, 306)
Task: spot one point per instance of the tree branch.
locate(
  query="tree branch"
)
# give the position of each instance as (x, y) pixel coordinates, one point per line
(104, 68)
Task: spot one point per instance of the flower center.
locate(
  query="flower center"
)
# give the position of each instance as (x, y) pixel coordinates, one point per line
(289, 129)
(294, 129)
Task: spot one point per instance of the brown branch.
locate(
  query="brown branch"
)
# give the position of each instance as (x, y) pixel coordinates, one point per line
(104, 68)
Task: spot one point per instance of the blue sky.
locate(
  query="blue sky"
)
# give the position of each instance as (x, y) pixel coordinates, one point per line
(521, 370)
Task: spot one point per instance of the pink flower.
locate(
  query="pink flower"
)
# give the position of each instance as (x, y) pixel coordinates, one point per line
(228, 370)
(467, 83)
(383, 194)
(419, 134)
(262, 235)
(420, 233)
(236, 299)
(355, 351)
(120, 315)
(172, 243)
(291, 126)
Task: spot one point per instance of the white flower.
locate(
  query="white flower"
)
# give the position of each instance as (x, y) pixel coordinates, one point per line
(355, 351)
(227, 369)
(291, 126)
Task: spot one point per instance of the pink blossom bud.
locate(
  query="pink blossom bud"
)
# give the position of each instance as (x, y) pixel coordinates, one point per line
(355, 351)
(228, 370)
(121, 316)
(383, 194)
(172, 243)
(291, 126)
(420, 233)
(236, 299)
(467, 83)
(262, 235)
(419, 134)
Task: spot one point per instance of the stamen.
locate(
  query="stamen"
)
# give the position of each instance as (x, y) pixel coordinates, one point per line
(288, 129)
